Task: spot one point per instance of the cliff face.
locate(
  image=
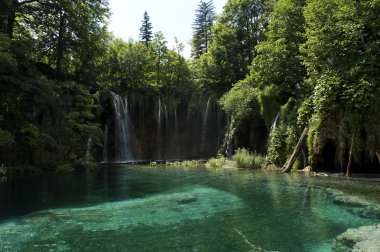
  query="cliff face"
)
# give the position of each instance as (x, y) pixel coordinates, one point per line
(163, 128)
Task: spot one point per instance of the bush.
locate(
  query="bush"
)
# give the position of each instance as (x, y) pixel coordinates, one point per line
(219, 161)
(245, 159)
(64, 168)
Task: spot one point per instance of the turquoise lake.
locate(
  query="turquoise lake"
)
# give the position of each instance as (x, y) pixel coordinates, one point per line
(139, 208)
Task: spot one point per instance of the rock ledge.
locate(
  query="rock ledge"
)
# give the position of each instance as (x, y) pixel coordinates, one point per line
(365, 238)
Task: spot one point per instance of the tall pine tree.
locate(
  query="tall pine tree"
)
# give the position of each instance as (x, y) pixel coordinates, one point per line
(202, 26)
(146, 34)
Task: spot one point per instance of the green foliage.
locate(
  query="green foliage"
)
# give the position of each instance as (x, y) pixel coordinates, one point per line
(315, 61)
(240, 101)
(7, 63)
(133, 66)
(185, 163)
(245, 159)
(236, 33)
(269, 106)
(340, 53)
(64, 168)
(284, 137)
(146, 33)
(6, 137)
(217, 162)
(202, 26)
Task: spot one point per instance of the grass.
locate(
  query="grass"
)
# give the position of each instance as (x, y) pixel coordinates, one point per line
(217, 162)
(246, 159)
(185, 163)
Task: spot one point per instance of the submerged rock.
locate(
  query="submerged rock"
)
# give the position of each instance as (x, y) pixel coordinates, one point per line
(187, 200)
(358, 239)
(355, 204)
(48, 228)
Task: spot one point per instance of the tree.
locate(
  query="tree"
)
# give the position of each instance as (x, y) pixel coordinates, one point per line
(202, 26)
(342, 56)
(238, 30)
(146, 30)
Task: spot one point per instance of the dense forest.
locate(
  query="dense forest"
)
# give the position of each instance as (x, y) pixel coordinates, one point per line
(276, 68)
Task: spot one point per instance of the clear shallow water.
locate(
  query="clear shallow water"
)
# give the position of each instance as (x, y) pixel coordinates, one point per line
(124, 208)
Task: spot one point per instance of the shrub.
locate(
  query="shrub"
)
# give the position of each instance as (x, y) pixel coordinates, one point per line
(219, 161)
(64, 168)
(245, 159)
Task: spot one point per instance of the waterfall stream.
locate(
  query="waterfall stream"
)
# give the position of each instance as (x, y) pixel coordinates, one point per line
(274, 125)
(176, 132)
(105, 144)
(122, 127)
(204, 128)
(88, 156)
(159, 133)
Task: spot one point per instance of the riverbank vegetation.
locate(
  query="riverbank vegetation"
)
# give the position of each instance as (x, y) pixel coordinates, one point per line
(274, 66)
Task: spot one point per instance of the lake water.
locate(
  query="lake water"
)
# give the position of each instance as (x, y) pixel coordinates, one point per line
(138, 208)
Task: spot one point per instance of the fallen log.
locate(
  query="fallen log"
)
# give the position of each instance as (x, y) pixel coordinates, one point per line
(297, 151)
(227, 143)
(350, 155)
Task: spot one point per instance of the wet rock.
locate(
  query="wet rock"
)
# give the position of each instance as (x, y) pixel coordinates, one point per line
(187, 200)
(358, 239)
(355, 204)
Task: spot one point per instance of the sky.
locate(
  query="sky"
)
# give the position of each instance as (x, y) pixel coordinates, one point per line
(173, 17)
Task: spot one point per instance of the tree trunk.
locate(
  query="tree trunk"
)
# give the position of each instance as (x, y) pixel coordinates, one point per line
(350, 155)
(289, 164)
(227, 143)
(378, 156)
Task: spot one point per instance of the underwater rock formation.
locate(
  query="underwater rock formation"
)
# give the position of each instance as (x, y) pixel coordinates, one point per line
(358, 239)
(49, 229)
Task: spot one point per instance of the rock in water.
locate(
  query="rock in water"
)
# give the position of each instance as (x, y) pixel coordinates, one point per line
(365, 238)
(51, 228)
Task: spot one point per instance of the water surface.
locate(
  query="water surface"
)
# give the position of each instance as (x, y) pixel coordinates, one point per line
(137, 208)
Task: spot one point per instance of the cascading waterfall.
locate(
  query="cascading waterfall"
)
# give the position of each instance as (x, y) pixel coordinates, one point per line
(159, 134)
(176, 131)
(159, 117)
(167, 133)
(122, 129)
(229, 145)
(304, 159)
(105, 142)
(218, 132)
(88, 149)
(204, 127)
(275, 122)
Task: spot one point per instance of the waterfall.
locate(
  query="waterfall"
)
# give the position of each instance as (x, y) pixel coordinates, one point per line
(229, 138)
(105, 142)
(88, 150)
(123, 145)
(159, 117)
(176, 131)
(159, 129)
(304, 159)
(275, 122)
(204, 127)
(167, 131)
(218, 132)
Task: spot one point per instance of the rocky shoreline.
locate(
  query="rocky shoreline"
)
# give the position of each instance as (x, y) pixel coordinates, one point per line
(365, 238)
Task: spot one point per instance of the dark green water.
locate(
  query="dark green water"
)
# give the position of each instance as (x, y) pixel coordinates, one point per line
(124, 208)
